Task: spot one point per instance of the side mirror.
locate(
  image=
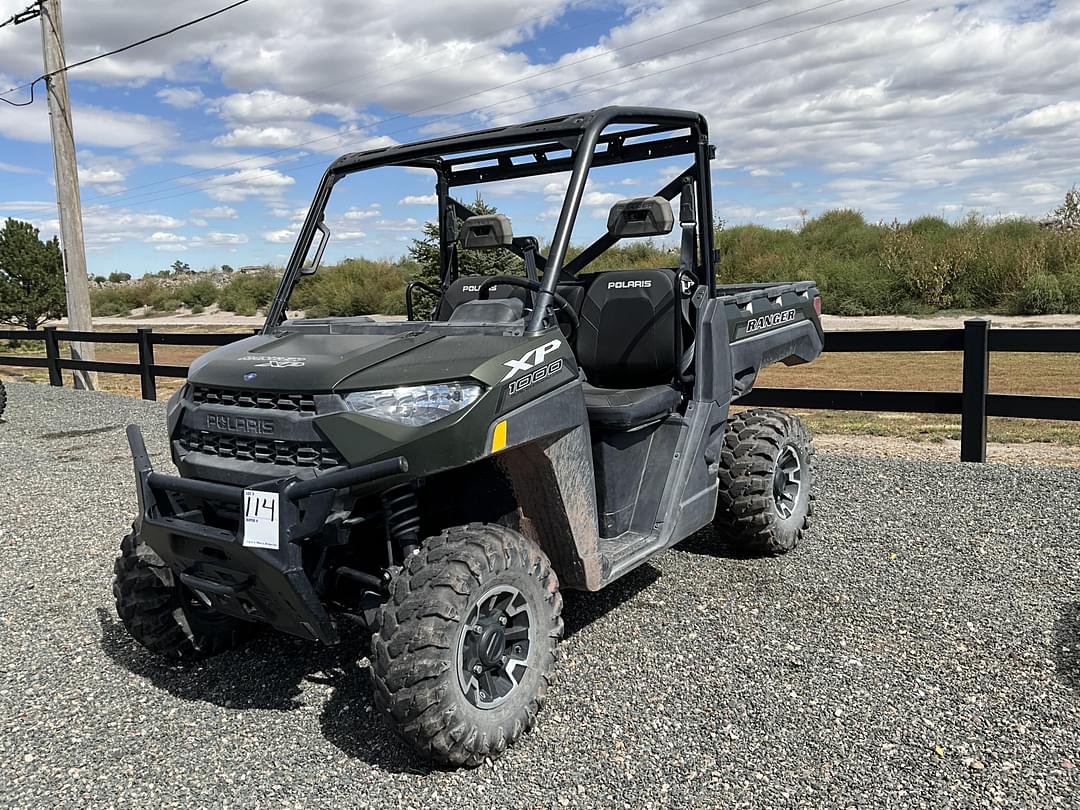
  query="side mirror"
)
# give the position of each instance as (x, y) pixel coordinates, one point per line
(486, 231)
(641, 216)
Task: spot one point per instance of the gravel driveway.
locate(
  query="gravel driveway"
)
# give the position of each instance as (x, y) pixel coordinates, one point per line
(921, 649)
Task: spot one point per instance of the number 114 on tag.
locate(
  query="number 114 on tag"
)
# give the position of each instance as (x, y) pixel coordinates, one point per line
(261, 519)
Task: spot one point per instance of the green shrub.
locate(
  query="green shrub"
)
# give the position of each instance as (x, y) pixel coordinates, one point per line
(1070, 292)
(842, 232)
(248, 292)
(115, 301)
(166, 304)
(393, 302)
(198, 309)
(929, 227)
(352, 287)
(1040, 295)
(198, 293)
(102, 304)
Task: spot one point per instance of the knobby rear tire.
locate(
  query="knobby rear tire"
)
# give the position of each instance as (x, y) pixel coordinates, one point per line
(747, 514)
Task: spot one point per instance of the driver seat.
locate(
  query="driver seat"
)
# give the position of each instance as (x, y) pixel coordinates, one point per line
(627, 347)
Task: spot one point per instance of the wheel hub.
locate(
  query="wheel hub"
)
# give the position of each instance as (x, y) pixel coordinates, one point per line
(493, 650)
(787, 482)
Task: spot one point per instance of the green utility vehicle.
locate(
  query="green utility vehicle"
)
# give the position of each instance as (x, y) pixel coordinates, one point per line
(441, 479)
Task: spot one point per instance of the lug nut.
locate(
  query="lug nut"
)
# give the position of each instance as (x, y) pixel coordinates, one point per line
(483, 695)
(502, 620)
(478, 670)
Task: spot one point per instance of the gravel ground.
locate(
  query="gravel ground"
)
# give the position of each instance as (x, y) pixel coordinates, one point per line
(921, 649)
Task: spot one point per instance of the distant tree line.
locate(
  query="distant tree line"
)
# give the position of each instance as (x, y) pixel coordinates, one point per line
(921, 266)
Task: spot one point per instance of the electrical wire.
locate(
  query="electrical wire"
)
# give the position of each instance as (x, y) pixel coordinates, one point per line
(610, 86)
(382, 70)
(66, 68)
(23, 15)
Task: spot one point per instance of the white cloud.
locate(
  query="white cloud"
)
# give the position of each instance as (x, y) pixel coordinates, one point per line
(419, 199)
(217, 238)
(270, 105)
(219, 158)
(407, 224)
(1047, 119)
(183, 98)
(280, 236)
(354, 214)
(165, 237)
(239, 185)
(601, 198)
(94, 126)
(282, 135)
(15, 169)
(217, 212)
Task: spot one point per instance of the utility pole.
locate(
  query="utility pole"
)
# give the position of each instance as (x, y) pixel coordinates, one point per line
(67, 187)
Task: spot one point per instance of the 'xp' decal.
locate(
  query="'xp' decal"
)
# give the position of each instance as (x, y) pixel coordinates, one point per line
(273, 361)
(531, 359)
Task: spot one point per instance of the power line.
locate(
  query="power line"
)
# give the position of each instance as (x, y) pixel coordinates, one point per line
(554, 69)
(28, 13)
(590, 91)
(128, 47)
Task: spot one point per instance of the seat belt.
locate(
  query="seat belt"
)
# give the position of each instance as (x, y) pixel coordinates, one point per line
(687, 220)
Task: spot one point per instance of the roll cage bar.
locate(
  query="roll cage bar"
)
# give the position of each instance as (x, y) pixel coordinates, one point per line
(573, 143)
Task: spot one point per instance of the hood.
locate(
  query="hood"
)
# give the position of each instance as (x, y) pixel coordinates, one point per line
(298, 361)
(320, 362)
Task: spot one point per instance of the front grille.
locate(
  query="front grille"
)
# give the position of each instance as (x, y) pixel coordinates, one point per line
(241, 398)
(265, 451)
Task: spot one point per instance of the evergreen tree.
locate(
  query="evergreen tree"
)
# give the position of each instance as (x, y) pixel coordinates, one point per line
(31, 276)
(425, 253)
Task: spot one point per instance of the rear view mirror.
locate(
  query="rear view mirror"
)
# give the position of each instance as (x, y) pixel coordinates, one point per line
(641, 216)
(486, 231)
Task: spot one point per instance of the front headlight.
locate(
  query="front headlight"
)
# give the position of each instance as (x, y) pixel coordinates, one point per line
(414, 405)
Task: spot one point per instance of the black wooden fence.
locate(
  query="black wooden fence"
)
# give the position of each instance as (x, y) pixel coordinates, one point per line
(973, 403)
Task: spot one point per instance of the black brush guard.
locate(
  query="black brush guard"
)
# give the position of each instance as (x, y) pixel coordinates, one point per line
(256, 584)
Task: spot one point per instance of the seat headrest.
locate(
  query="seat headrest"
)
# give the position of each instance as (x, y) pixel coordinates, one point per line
(627, 334)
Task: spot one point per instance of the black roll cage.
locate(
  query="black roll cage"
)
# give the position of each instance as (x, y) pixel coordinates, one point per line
(572, 143)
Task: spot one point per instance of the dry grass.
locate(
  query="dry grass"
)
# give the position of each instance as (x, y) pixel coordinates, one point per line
(1055, 374)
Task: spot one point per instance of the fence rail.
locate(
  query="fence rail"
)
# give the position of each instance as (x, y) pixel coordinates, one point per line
(973, 403)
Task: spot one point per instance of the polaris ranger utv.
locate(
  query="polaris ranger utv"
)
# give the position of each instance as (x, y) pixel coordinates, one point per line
(439, 480)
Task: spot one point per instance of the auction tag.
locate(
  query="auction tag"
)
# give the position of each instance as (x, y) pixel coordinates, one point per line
(261, 519)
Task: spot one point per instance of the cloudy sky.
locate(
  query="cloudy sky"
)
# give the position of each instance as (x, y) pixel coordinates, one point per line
(206, 146)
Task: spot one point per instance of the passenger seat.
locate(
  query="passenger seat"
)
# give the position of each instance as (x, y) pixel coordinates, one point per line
(628, 346)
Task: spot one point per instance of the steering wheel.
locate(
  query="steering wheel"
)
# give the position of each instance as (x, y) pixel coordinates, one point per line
(533, 286)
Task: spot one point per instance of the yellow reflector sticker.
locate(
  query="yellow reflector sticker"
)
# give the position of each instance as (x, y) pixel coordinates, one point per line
(498, 437)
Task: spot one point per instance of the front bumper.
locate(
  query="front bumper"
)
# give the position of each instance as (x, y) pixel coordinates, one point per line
(256, 584)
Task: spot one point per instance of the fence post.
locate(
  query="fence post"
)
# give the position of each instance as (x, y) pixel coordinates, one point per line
(973, 395)
(147, 380)
(52, 355)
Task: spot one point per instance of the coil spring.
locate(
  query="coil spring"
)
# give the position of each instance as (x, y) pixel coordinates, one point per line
(402, 515)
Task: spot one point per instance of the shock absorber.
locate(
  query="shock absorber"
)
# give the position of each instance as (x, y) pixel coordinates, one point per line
(402, 518)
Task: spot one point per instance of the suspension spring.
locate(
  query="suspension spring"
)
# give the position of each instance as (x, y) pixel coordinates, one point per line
(402, 518)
